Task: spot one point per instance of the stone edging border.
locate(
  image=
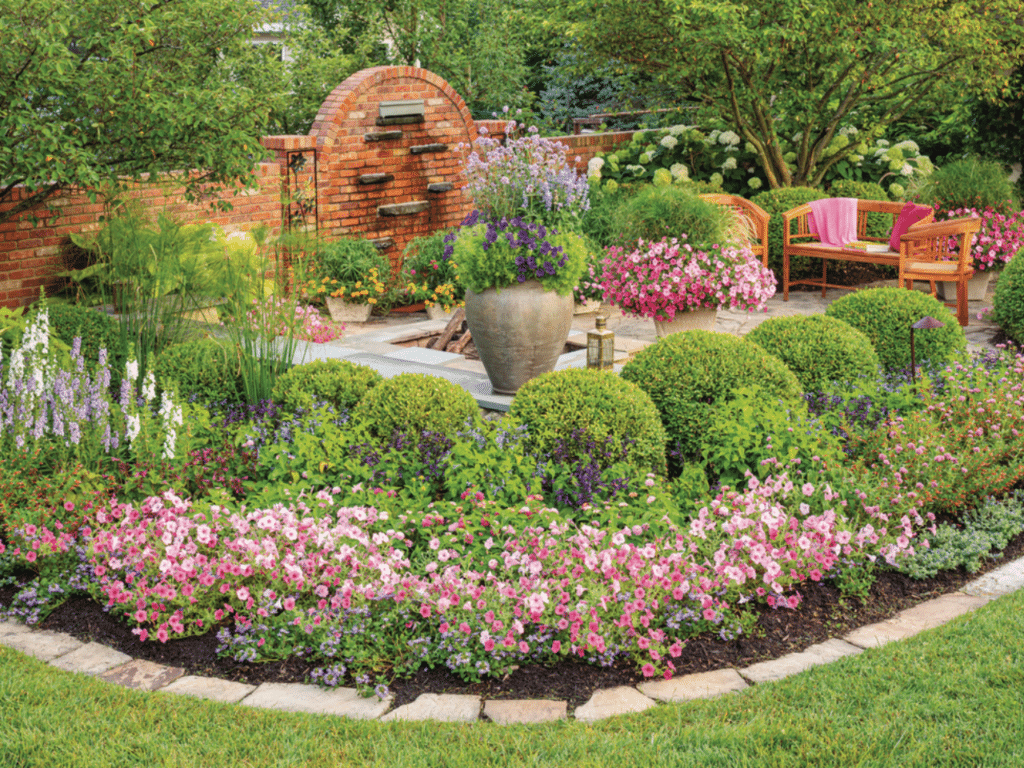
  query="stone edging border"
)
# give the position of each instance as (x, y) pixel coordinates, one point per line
(65, 652)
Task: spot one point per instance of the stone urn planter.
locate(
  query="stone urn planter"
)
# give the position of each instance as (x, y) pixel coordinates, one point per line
(436, 312)
(702, 319)
(977, 287)
(345, 312)
(519, 331)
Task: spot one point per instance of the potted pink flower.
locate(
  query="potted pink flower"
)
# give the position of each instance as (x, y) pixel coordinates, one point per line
(1000, 237)
(681, 286)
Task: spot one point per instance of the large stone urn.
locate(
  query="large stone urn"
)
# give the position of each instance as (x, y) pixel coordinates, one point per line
(702, 319)
(519, 331)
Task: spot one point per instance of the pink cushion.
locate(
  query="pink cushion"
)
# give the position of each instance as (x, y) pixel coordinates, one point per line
(909, 215)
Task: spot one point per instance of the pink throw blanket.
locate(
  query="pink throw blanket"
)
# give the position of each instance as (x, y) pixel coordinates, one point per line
(834, 220)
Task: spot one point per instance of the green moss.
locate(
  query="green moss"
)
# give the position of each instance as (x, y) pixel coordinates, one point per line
(604, 406)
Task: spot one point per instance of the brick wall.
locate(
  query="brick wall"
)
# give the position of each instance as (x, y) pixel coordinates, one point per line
(347, 144)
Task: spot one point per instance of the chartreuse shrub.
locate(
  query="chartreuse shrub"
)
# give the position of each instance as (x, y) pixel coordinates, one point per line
(1008, 300)
(658, 212)
(776, 202)
(749, 430)
(885, 315)
(969, 183)
(817, 348)
(688, 375)
(412, 403)
(561, 407)
(340, 383)
(206, 370)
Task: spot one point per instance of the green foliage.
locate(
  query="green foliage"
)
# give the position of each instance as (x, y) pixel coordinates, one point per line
(497, 268)
(671, 211)
(339, 382)
(1008, 299)
(817, 348)
(776, 202)
(348, 260)
(749, 64)
(879, 224)
(598, 404)
(432, 276)
(97, 331)
(688, 374)
(99, 93)
(885, 315)
(207, 369)
(969, 183)
(749, 429)
(412, 403)
(981, 535)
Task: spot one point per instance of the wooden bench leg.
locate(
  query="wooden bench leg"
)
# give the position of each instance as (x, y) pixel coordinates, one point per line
(824, 273)
(962, 310)
(785, 277)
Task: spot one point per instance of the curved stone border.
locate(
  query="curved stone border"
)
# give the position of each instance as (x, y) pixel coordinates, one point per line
(67, 653)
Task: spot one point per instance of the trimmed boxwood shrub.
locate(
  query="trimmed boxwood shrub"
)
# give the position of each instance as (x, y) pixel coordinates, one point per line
(413, 403)
(777, 202)
(885, 315)
(817, 348)
(1008, 299)
(560, 407)
(339, 382)
(97, 331)
(204, 369)
(687, 374)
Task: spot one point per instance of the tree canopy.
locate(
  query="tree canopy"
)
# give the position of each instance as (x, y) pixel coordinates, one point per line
(788, 75)
(96, 93)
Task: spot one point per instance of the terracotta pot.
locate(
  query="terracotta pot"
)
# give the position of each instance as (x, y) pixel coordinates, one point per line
(518, 331)
(695, 320)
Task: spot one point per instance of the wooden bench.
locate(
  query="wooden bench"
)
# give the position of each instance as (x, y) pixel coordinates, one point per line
(797, 240)
(754, 218)
(929, 251)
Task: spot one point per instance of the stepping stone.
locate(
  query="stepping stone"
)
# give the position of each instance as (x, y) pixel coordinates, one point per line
(612, 702)
(296, 697)
(91, 659)
(908, 623)
(702, 685)
(517, 711)
(1002, 581)
(444, 707)
(12, 627)
(793, 663)
(209, 688)
(142, 675)
(44, 645)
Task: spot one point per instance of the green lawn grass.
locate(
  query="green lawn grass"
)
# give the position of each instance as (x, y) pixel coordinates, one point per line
(952, 696)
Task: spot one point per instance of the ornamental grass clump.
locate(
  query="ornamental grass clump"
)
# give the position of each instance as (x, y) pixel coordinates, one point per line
(658, 280)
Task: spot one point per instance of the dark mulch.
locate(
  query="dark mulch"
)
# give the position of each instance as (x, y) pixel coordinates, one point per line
(822, 615)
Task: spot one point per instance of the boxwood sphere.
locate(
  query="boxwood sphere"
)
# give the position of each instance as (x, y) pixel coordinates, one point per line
(1008, 299)
(601, 404)
(686, 374)
(96, 330)
(885, 315)
(817, 349)
(205, 368)
(413, 403)
(341, 383)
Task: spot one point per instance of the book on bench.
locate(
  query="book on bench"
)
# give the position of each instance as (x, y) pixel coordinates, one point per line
(867, 246)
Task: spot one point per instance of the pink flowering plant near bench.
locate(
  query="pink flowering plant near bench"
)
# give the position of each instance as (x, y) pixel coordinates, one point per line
(1000, 237)
(660, 279)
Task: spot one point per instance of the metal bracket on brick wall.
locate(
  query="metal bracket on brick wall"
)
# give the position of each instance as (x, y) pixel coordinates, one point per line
(422, 149)
(403, 209)
(382, 136)
(299, 208)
